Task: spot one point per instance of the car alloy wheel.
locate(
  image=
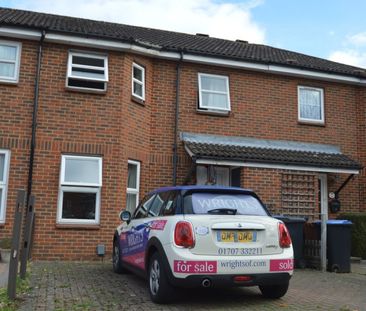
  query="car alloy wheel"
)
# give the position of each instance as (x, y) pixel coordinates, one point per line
(154, 277)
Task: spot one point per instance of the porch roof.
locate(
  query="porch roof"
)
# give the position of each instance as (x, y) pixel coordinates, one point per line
(280, 154)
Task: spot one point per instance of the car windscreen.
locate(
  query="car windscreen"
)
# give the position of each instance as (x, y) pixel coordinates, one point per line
(222, 203)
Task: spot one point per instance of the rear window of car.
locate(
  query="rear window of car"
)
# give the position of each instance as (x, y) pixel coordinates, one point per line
(222, 203)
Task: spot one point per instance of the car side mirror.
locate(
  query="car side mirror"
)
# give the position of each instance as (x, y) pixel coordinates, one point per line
(125, 216)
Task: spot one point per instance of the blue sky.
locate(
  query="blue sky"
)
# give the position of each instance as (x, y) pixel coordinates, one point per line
(333, 30)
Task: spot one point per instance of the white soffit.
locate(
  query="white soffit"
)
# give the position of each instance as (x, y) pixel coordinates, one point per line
(24, 33)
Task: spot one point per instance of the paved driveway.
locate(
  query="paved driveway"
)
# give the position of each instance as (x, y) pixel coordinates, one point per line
(93, 286)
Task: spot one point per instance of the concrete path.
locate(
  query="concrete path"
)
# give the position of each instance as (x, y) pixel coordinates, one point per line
(93, 286)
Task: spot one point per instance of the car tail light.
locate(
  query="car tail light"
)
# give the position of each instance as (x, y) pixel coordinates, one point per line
(183, 234)
(284, 236)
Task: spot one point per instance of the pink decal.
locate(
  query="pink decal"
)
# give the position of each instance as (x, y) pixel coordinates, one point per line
(123, 237)
(281, 265)
(158, 224)
(181, 266)
(135, 259)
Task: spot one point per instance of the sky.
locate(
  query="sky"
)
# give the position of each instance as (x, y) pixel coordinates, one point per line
(330, 29)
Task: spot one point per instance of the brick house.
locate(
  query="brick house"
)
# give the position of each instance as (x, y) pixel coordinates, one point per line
(93, 115)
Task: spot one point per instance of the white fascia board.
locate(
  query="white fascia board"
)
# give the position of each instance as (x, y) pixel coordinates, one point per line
(20, 33)
(207, 60)
(108, 44)
(274, 69)
(278, 166)
(315, 74)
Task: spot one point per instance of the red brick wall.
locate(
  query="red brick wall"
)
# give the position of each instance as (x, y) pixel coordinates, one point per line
(117, 128)
(16, 104)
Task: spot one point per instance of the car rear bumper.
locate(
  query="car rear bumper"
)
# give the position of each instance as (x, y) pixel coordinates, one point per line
(227, 280)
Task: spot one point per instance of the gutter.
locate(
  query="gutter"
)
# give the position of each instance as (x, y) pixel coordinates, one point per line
(34, 117)
(176, 123)
(141, 48)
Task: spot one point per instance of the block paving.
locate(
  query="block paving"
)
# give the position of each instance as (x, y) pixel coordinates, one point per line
(93, 286)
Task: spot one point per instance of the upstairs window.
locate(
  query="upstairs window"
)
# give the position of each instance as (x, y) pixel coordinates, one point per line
(138, 81)
(4, 171)
(87, 72)
(79, 194)
(9, 61)
(311, 104)
(213, 92)
(133, 185)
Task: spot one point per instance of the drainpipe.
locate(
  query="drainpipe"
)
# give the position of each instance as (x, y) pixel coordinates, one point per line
(34, 117)
(175, 146)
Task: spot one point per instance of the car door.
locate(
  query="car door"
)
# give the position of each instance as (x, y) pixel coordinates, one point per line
(135, 235)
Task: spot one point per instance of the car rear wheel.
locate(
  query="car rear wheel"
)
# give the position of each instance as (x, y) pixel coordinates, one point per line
(159, 287)
(117, 264)
(274, 291)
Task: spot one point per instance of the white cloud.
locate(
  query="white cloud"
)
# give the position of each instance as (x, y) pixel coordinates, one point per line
(230, 20)
(350, 57)
(358, 39)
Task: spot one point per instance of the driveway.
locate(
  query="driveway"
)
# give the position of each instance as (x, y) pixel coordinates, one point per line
(94, 286)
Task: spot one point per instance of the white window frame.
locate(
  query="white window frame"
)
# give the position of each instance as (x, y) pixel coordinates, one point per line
(4, 185)
(79, 188)
(142, 83)
(18, 46)
(137, 189)
(200, 90)
(70, 66)
(308, 120)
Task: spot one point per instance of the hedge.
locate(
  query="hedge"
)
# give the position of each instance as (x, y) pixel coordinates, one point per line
(358, 233)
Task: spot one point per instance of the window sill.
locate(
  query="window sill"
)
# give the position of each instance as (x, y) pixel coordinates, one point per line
(313, 123)
(2, 224)
(9, 82)
(89, 91)
(78, 226)
(214, 113)
(137, 100)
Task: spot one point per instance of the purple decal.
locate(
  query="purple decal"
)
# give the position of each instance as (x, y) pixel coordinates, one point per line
(133, 244)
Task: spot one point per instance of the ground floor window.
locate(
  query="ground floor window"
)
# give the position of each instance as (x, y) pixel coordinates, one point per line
(133, 185)
(79, 194)
(4, 171)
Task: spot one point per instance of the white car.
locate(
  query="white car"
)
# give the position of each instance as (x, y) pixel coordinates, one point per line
(204, 236)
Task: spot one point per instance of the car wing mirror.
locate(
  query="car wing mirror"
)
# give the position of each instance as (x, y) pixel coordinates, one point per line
(125, 216)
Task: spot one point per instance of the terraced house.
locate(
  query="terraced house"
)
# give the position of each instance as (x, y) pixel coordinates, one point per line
(93, 115)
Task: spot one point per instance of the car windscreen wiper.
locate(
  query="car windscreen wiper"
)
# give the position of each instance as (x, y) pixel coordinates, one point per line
(229, 211)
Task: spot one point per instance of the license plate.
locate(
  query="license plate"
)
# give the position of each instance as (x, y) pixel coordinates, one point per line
(236, 236)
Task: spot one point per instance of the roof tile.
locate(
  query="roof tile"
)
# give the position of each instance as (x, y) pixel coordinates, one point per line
(172, 41)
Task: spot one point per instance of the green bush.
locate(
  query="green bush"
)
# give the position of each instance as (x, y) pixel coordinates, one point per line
(358, 233)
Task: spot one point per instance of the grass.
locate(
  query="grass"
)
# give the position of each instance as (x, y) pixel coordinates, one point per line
(22, 287)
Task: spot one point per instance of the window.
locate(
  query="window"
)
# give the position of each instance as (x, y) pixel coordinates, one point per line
(133, 185)
(79, 195)
(171, 203)
(311, 104)
(9, 61)
(213, 92)
(4, 172)
(143, 207)
(87, 71)
(138, 81)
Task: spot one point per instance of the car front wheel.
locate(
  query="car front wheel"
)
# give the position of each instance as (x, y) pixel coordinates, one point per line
(274, 291)
(117, 265)
(160, 289)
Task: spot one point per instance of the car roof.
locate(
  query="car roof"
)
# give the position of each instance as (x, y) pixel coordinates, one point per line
(202, 187)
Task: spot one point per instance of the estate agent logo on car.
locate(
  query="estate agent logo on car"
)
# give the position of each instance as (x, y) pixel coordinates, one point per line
(204, 236)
